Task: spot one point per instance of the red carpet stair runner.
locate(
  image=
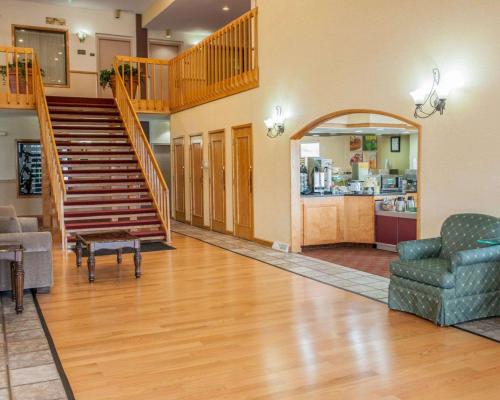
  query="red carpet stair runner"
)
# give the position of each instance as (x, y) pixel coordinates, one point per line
(106, 189)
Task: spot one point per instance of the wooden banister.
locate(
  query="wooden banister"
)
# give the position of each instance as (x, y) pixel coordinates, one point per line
(152, 173)
(16, 71)
(223, 64)
(146, 82)
(51, 165)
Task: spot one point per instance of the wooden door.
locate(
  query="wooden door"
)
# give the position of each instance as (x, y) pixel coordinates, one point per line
(196, 158)
(243, 181)
(107, 49)
(217, 182)
(179, 183)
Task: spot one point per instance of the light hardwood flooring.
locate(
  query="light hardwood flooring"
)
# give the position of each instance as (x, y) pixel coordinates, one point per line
(205, 323)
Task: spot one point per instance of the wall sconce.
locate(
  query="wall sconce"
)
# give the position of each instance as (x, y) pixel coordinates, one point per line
(275, 124)
(428, 101)
(82, 35)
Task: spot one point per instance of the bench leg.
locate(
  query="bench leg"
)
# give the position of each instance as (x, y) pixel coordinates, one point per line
(91, 265)
(19, 286)
(119, 256)
(137, 262)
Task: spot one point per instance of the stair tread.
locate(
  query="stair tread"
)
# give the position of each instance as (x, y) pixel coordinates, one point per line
(63, 144)
(82, 120)
(97, 161)
(107, 191)
(83, 105)
(111, 213)
(140, 234)
(96, 153)
(92, 225)
(88, 127)
(131, 171)
(106, 181)
(88, 136)
(53, 110)
(105, 202)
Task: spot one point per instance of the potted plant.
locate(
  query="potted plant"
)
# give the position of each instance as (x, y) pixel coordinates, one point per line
(107, 78)
(24, 70)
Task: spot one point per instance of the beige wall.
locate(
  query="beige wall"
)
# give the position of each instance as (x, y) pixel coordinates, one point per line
(335, 148)
(342, 66)
(93, 21)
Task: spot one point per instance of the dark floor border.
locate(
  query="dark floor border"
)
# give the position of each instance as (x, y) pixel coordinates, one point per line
(324, 283)
(55, 356)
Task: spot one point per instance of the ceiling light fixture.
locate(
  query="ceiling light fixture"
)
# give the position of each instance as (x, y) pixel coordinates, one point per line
(82, 35)
(225, 8)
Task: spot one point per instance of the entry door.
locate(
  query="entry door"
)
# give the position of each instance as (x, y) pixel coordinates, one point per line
(179, 188)
(217, 182)
(196, 150)
(243, 182)
(107, 49)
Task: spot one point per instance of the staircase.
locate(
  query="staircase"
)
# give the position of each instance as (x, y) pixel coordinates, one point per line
(105, 187)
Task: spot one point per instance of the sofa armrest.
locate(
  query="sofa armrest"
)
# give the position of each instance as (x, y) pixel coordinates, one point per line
(418, 249)
(475, 256)
(28, 224)
(31, 241)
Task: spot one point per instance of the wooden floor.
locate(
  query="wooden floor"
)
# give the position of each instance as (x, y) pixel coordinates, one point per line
(204, 323)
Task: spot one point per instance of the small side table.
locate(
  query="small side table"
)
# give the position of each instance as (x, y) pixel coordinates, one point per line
(116, 240)
(14, 254)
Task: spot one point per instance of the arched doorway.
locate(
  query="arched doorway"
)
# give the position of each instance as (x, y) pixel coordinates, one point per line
(295, 140)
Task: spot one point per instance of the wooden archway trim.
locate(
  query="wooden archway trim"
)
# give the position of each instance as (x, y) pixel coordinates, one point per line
(310, 126)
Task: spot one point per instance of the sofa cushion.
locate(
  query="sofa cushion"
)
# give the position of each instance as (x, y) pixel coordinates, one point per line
(7, 211)
(9, 225)
(431, 271)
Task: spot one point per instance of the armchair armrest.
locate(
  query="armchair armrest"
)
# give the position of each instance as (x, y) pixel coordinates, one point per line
(31, 241)
(28, 224)
(475, 256)
(418, 249)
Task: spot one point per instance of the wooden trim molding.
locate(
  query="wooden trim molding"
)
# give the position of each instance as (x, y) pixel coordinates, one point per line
(263, 242)
(296, 228)
(83, 72)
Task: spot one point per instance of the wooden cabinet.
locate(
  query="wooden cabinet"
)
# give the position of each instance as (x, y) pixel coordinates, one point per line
(391, 230)
(359, 219)
(322, 221)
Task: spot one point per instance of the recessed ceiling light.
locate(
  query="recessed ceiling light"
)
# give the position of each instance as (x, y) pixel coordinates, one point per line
(20, 40)
(360, 131)
(316, 135)
(225, 8)
(380, 129)
(60, 53)
(56, 59)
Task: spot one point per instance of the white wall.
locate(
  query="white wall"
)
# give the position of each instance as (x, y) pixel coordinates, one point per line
(93, 21)
(18, 125)
(366, 54)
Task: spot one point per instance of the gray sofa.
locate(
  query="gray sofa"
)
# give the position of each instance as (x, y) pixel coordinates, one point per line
(37, 250)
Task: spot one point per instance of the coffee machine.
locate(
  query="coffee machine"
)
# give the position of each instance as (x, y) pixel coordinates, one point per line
(320, 174)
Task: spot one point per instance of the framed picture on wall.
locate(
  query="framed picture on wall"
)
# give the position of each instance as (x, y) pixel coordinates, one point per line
(395, 144)
(29, 168)
(369, 142)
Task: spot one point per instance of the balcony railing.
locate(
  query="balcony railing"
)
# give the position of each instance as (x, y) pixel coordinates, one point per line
(16, 77)
(146, 82)
(223, 64)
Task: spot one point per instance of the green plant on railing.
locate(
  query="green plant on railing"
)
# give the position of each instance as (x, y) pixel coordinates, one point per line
(107, 76)
(22, 65)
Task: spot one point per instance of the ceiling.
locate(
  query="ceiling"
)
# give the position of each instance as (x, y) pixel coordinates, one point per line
(136, 6)
(198, 15)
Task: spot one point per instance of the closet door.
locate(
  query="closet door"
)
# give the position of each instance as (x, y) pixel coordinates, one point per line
(179, 181)
(217, 182)
(196, 158)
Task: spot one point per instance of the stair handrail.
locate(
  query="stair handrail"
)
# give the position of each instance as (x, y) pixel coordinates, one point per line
(145, 157)
(51, 163)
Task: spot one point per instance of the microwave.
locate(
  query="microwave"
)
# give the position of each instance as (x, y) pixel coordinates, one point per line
(391, 183)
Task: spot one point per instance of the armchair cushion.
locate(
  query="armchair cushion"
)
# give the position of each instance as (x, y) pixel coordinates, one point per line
(7, 211)
(9, 225)
(28, 224)
(475, 256)
(31, 241)
(418, 249)
(430, 271)
(461, 232)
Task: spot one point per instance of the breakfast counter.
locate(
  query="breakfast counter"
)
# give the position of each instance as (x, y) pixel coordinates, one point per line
(346, 218)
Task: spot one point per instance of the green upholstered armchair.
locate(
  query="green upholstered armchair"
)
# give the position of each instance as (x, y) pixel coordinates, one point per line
(450, 279)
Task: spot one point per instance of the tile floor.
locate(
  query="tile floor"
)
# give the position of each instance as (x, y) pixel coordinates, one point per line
(365, 259)
(27, 368)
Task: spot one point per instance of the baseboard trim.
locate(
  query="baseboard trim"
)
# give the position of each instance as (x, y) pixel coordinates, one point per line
(263, 242)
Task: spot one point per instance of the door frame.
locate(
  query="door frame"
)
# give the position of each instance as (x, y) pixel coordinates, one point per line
(210, 177)
(296, 226)
(105, 36)
(174, 177)
(191, 181)
(251, 177)
(164, 42)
